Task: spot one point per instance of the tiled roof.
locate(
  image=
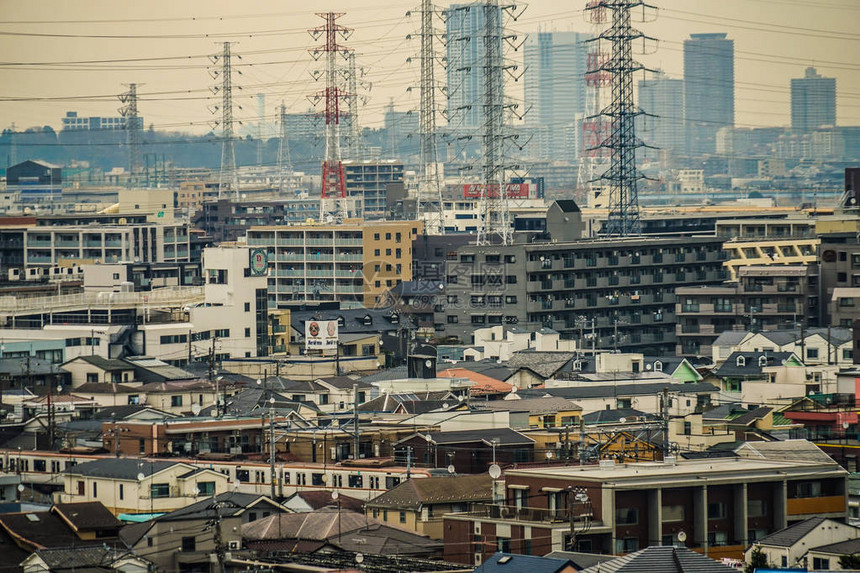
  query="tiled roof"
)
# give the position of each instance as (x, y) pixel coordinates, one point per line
(848, 547)
(750, 365)
(792, 534)
(750, 417)
(545, 364)
(621, 390)
(231, 503)
(88, 515)
(106, 364)
(797, 450)
(315, 526)
(37, 529)
(502, 436)
(414, 493)
(534, 406)
(661, 559)
(77, 558)
(319, 499)
(508, 563)
(120, 468)
(482, 384)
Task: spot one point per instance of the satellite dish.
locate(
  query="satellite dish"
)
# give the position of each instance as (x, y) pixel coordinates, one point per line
(140, 476)
(195, 491)
(272, 400)
(335, 495)
(682, 537)
(428, 438)
(59, 389)
(195, 409)
(622, 420)
(514, 389)
(20, 487)
(549, 455)
(452, 469)
(495, 471)
(428, 363)
(359, 558)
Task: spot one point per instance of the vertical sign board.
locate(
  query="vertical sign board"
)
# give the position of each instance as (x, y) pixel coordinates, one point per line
(321, 335)
(259, 262)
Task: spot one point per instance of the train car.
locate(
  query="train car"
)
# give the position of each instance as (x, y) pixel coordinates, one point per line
(47, 470)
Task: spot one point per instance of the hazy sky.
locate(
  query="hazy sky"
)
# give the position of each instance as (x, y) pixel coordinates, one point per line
(59, 55)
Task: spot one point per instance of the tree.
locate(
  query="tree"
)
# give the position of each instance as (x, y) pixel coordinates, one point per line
(757, 560)
(850, 561)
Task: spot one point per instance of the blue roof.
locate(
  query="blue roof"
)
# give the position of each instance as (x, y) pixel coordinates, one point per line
(509, 563)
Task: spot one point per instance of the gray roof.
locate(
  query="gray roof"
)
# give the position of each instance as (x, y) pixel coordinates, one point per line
(799, 450)
(127, 411)
(489, 368)
(847, 547)
(231, 504)
(153, 369)
(345, 382)
(730, 338)
(750, 366)
(75, 558)
(613, 416)
(503, 437)
(505, 562)
(396, 373)
(661, 559)
(106, 364)
(792, 534)
(249, 401)
(534, 406)
(121, 468)
(545, 364)
(20, 365)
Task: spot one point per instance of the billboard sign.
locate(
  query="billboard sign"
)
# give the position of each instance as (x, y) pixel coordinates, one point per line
(321, 335)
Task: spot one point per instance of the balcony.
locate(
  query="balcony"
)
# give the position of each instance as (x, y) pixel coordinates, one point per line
(531, 514)
(816, 505)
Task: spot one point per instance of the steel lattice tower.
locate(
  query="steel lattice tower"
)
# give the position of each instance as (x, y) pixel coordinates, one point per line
(353, 136)
(333, 196)
(493, 211)
(132, 131)
(228, 177)
(428, 201)
(285, 163)
(622, 175)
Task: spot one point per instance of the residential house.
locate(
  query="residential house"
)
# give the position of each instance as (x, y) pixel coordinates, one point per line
(185, 538)
(109, 394)
(697, 433)
(90, 521)
(37, 375)
(505, 562)
(97, 369)
(87, 558)
(829, 557)
(469, 451)
(665, 558)
(179, 397)
(328, 531)
(128, 485)
(788, 547)
(544, 412)
(308, 501)
(419, 504)
(720, 504)
(741, 367)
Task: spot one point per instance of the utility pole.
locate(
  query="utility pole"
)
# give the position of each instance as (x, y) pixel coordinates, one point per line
(220, 554)
(212, 376)
(285, 164)
(665, 422)
(582, 456)
(408, 462)
(116, 435)
(356, 420)
(272, 445)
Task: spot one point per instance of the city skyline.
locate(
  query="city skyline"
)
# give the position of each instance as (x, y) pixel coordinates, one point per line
(162, 47)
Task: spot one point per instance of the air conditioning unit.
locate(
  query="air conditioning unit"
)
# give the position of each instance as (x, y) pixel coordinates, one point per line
(234, 545)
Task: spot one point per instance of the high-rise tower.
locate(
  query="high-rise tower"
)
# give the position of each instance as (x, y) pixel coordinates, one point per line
(132, 129)
(813, 101)
(709, 89)
(663, 99)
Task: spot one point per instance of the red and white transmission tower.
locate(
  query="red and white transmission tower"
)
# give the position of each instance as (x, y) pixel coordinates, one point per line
(594, 159)
(333, 198)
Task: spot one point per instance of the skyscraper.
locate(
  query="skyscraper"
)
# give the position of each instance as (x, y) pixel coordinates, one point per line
(662, 98)
(709, 89)
(813, 101)
(555, 66)
(465, 27)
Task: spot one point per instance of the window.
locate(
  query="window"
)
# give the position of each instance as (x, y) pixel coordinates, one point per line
(626, 545)
(808, 489)
(478, 319)
(375, 252)
(159, 490)
(453, 319)
(504, 544)
(247, 333)
(188, 544)
(627, 515)
(716, 510)
(511, 279)
(820, 563)
(847, 354)
(741, 362)
(356, 481)
(95, 489)
(716, 538)
(206, 487)
(217, 277)
(811, 353)
(510, 299)
(176, 401)
(757, 507)
(673, 513)
(402, 517)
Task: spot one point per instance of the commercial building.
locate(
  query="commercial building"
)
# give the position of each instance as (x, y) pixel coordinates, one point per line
(73, 122)
(616, 293)
(663, 98)
(368, 181)
(719, 504)
(709, 89)
(554, 77)
(227, 220)
(813, 101)
(763, 298)
(353, 261)
(35, 181)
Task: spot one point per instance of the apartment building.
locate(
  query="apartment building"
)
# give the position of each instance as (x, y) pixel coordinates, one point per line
(720, 505)
(763, 298)
(617, 293)
(760, 242)
(354, 261)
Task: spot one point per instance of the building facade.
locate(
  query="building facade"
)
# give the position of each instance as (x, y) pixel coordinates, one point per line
(813, 101)
(709, 89)
(663, 98)
(349, 262)
(606, 294)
